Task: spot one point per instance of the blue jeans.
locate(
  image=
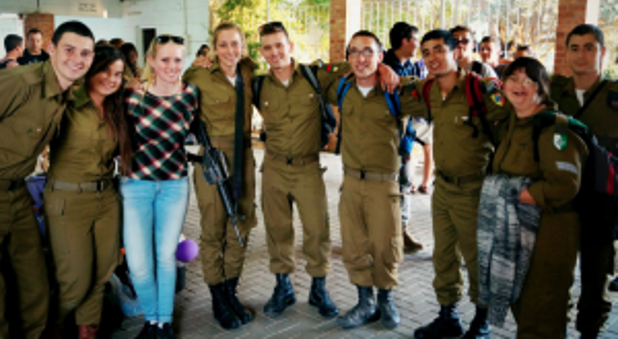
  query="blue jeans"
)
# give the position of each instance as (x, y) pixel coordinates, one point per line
(154, 212)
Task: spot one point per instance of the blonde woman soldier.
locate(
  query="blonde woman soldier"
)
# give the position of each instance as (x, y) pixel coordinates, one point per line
(156, 189)
(225, 96)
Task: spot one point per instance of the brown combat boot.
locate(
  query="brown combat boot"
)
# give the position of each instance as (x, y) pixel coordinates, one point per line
(88, 331)
(409, 244)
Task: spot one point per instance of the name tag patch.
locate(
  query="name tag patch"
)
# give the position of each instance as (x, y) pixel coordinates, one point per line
(566, 166)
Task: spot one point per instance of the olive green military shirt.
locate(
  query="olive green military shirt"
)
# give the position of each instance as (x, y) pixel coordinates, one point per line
(217, 107)
(85, 149)
(456, 151)
(601, 116)
(369, 131)
(292, 113)
(557, 174)
(31, 108)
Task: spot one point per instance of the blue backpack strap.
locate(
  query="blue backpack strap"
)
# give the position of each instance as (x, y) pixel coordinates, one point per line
(342, 90)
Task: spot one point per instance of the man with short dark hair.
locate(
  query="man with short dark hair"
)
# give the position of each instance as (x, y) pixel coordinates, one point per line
(465, 60)
(461, 159)
(31, 108)
(404, 46)
(34, 48)
(14, 47)
(523, 51)
(490, 51)
(593, 100)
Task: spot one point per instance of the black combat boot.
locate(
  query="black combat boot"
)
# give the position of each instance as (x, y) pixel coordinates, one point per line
(320, 298)
(244, 314)
(479, 327)
(363, 313)
(282, 297)
(390, 316)
(447, 324)
(222, 309)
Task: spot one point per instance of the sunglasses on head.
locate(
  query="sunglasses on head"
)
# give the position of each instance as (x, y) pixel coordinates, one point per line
(463, 41)
(163, 39)
(271, 27)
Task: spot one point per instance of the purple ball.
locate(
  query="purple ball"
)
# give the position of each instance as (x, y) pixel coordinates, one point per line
(187, 250)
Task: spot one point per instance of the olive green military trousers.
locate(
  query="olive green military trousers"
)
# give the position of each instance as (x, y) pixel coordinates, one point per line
(22, 250)
(84, 233)
(372, 244)
(454, 209)
(282, 185)
(597, 265)
(222, 256)
(541, 311)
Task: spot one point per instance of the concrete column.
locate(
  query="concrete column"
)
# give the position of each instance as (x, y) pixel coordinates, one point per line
(570, 14)
(345, 20)
(41, 21)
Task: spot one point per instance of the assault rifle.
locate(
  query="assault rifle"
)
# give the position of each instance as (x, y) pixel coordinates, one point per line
(215, 171)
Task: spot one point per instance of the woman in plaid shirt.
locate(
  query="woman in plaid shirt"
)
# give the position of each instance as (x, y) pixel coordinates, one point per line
(156, 189)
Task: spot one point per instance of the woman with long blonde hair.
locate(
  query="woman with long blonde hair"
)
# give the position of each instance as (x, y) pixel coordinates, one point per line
(225, 96)
(155, 190)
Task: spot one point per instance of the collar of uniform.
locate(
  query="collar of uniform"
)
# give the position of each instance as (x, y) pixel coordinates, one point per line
(297, 70)
(51, 87)
(80, 97)
(570, 86)
(377, 88)
(215, 66)
(461, 79)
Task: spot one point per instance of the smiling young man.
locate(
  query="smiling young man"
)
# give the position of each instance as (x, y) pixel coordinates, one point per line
(462, 149)
(369, 206)
(32, 104)
(490, 51)
(291, 170)
(593, 100)
(465, 57)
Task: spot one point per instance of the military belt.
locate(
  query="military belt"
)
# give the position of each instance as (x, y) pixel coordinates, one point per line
(293, 161)
(370, 176)
(8, 185)
(91, 186)
(227, 143)
(463, 179)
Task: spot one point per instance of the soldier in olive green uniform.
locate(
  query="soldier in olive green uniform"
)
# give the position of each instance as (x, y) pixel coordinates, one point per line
(292, 173)
(461, 161)
(585, 46)
(222, 255)
(369, 207)
(82, 205)
(541, 310)
(33, 101)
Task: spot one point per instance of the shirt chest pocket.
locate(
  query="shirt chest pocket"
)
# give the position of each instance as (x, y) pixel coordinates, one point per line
(272, 109)
(218, 105)
(307, 102)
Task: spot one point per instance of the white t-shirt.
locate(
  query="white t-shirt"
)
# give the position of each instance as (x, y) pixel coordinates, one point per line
(580, 95)
(286, 83)
(232, 80)
(364, 90)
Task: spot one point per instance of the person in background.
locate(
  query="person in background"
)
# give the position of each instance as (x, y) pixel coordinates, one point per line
(14, 47)
(404, 47)
(465, 44)
(490, 51)
(130, 55)
(203, 51)
(34, 48)
(523, 51)
(116, 42)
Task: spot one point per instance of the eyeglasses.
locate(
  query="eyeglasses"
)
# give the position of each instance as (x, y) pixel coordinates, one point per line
(525, 81)
(366, 52)
(271, 27)
(163, 39)
(463, 41)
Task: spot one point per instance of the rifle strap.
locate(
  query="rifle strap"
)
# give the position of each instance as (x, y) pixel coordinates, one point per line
(239, 137)
(590, 99)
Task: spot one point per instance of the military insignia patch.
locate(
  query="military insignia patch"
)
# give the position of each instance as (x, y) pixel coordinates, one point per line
(498, 99)
(415, 94)
(330, 68)
(560, 141)
(612, 100)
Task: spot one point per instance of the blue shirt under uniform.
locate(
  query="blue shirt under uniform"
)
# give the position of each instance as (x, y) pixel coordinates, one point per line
(408, 68)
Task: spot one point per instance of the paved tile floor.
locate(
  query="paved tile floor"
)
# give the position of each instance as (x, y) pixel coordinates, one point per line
(414, 296)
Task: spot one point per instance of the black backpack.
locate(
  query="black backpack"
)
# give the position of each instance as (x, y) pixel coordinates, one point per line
(597, 199)
(329, 122)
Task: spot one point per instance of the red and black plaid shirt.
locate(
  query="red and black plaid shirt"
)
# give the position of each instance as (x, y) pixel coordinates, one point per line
(161, 126)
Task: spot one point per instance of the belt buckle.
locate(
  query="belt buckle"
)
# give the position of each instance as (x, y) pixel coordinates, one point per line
(362, 174)
(99, 185)
(289, 161)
